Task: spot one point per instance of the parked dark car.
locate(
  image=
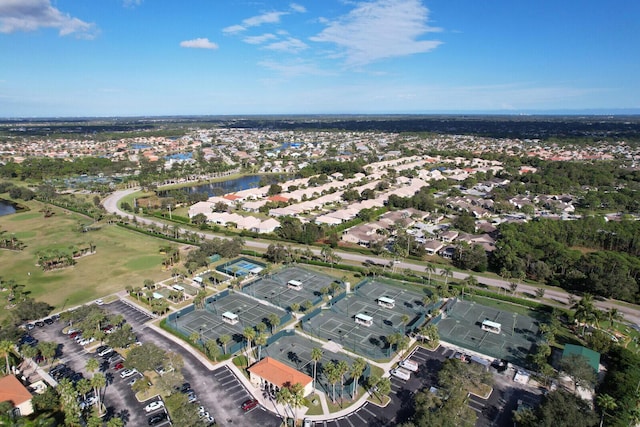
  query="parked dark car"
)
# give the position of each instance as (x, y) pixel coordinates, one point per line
(157, 419)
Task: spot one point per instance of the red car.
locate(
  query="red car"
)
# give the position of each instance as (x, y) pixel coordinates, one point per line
(248, 405)
(118, 366)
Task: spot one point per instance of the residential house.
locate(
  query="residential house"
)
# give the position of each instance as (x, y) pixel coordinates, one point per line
(12, 391)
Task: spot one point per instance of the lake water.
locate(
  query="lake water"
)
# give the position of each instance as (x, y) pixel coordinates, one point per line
(230, 186)
(6, 208)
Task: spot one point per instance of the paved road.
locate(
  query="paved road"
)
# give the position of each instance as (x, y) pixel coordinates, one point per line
(631, 314)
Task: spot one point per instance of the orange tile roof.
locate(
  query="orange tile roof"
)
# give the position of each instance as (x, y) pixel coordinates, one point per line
(231, 197)
(12, 390)
(278, 373)
(278, 198)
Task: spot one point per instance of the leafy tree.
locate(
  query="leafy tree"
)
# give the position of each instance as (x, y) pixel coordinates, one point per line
(121, 337)
(181, 411)
(48, 401)
(145, 357)
(561, 408)
(578, 369)
(465, 222)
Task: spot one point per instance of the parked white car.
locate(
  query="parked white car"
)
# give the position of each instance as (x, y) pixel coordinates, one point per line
(128, 372)
(401, 373)
(87, 341)
(409, 365)
(154, 405)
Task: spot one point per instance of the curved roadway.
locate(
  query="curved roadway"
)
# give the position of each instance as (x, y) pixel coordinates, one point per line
(631, 313)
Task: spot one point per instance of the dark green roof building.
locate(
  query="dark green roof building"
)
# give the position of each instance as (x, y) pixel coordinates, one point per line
(593, 357)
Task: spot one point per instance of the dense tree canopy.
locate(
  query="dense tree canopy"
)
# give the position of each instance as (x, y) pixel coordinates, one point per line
(548, 249)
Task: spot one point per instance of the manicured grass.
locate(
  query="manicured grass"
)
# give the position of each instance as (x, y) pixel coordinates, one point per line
(122, 257)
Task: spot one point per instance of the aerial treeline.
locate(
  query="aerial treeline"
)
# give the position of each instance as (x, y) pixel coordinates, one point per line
(423, 200)
(586, 255)
(226, 248)
(16, 191)
(39, 168)
(621, 383)
(554, 177)
(329, 167)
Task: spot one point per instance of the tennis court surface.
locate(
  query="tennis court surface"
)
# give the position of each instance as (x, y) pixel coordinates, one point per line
(472, 326)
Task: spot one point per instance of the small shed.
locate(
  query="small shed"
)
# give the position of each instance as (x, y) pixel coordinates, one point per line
(230, 317)
(363, 319)
(386, 302)
(294, 284)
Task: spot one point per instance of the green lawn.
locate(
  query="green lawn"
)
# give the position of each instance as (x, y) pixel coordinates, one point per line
(122, 257)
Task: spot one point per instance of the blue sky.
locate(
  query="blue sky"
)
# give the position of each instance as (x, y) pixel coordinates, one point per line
(166, 57)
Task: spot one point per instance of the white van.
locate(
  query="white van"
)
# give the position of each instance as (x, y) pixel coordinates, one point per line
(409, 365)
(401, 373)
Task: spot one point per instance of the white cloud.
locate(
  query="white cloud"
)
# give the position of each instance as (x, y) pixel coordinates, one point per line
(259, 39)
(298, 8)
(30, 15)
(378, 30)
(293, 69)
(233, 29)
(291, 45)
(255, 21)
(265, 18)
(132, 3)
(200, 43)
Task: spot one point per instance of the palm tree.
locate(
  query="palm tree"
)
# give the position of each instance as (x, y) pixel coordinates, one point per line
(6, 348)
(283, 396)
(585, 311)
(606, 403)
(213, 350)
(260, 340)
(97, 382)
(296, 399)
(28, 352)
(249, 334)
(92, 365)
(357, 369)
(333, 376)
(224, 340)
(404, 320)
(342, 367)
(613, 315)
(274, 321)
(316, 355)
(430, 269)
(447, 272)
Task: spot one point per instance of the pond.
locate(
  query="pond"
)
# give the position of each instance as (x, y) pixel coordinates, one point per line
(6, 207)
(231, 185)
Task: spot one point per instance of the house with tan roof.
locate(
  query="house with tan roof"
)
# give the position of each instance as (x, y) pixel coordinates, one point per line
(12, 391)
(272, 375)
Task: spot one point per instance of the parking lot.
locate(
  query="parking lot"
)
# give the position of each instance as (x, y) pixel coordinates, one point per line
(493, 411)
(219, 391)
(118, 397)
